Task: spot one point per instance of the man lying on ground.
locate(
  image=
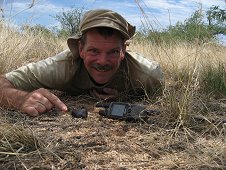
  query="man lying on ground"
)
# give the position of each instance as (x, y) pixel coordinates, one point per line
(96, 63)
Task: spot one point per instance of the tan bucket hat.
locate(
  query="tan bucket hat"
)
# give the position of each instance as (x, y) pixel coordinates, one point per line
(101, 18)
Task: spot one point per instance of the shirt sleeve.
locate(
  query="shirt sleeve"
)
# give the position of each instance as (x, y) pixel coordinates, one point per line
(51, 73)
(145, 74)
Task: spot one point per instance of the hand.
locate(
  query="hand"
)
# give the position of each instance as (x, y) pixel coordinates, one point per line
(106, 93)
(40, 101)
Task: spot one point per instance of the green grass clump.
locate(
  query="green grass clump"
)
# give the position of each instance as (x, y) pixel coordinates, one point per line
(214, 80)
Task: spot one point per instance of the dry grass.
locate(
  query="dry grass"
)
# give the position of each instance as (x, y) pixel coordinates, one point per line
(175, 58)
(17, 143)
(18, 48)
(189, 132)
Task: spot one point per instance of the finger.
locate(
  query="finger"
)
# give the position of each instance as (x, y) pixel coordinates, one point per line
(40, 107)
(92, 93)
(44, 101)
(31, 111)
(110, 91)
(38, 97)
(55, 101)
(100, 95)
(49, 106)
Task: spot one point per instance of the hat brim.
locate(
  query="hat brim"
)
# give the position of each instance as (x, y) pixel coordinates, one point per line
(73, 41)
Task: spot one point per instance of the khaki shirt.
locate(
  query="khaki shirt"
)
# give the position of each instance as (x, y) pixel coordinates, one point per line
(67, 73)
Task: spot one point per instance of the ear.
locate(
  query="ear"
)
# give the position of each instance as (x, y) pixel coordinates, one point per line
(80, 48)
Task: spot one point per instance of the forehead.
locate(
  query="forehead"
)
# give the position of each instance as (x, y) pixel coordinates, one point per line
(92, 36)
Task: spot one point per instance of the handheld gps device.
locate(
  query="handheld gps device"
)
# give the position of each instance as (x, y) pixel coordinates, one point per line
(123, 111)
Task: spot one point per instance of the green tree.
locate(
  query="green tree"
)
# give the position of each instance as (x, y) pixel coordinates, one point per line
(196, 29)
(192, 29)
(215, 15)
(69, 21)
(216, 20)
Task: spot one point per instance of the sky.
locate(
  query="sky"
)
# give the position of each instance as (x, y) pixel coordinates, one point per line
(160, 13)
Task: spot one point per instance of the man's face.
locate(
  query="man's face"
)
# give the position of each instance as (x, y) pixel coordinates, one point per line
(102, 55)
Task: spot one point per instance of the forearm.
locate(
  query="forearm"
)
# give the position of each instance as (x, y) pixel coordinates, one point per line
(9, 95)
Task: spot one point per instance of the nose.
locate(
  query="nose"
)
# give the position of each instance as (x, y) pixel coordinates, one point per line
(102, 59)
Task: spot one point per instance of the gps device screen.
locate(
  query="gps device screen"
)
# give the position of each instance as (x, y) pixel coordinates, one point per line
(118, 110)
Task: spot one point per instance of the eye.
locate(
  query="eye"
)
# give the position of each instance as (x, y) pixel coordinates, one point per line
(93, 51)
(114, 53)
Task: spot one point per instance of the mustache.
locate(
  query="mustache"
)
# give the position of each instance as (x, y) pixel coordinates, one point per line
(100, 67)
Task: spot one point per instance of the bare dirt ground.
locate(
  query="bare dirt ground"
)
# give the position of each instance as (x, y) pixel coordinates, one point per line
(56, 140)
